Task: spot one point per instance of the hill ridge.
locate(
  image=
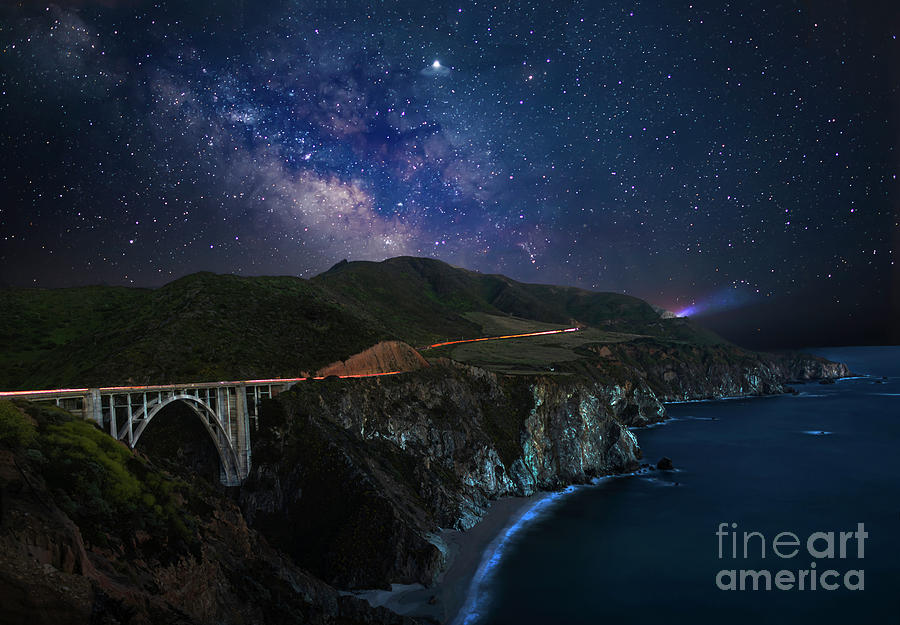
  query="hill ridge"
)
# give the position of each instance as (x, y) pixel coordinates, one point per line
(223, 326)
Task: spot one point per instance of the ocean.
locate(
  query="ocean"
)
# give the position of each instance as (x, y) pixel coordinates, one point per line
(660, 547)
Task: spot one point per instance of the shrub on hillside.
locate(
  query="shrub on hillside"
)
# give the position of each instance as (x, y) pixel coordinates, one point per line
(16, 429)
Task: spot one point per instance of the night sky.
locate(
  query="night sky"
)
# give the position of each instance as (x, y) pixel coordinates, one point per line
(731, 160)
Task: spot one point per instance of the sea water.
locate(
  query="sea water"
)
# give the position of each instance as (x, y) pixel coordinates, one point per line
(645, 549)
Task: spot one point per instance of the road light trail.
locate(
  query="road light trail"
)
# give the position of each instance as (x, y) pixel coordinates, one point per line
(54, 391)
(507, 336)
(36, 394)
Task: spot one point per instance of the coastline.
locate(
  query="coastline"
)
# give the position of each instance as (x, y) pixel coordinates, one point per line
(706, 400)
(469, 556)
(472, 554)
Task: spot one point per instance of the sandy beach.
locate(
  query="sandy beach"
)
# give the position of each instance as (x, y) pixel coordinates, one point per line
(466, 552)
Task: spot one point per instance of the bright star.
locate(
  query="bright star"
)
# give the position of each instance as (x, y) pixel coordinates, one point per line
(435, 69)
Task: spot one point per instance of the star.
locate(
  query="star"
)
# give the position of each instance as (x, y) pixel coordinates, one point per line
(625, 163)
(435, 69)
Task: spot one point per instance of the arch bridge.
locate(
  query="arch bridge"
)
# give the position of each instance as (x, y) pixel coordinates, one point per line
(228, 411)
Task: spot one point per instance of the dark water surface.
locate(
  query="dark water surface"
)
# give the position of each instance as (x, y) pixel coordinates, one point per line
(644, 549)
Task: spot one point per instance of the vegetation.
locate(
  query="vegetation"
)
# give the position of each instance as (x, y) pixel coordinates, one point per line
(110, 492)
(16, 429)
(202, 327)
(37, 326)
(503, 420)
(430, 299)
(499, 325)
(217, 327)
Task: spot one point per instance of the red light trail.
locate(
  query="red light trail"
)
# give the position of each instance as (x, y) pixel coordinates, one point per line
(507, 336)
(159, 387)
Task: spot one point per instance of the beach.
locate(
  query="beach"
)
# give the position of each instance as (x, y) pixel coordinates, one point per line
(466, 551)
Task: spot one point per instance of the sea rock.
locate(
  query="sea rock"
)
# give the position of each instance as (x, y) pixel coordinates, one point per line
(665, 464)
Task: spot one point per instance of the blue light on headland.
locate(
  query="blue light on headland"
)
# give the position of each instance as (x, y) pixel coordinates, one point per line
(687, 312)
(723, 299)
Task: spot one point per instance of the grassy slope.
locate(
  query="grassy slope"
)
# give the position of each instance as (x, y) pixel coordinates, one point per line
(215, 327)
(534, 354)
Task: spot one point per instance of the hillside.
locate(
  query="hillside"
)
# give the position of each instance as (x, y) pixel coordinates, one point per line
(203, 326)
(214, 327)
(424, 299)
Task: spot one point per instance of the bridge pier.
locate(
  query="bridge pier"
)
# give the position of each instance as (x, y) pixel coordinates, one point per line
(93, 406)
(113, 426)
(242, 442)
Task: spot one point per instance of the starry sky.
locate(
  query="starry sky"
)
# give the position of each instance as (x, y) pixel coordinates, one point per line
(735, 161)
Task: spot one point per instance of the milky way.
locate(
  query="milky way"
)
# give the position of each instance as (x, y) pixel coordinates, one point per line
(672, 150)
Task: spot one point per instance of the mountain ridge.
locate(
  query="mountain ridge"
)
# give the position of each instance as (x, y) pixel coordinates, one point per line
(208, 326)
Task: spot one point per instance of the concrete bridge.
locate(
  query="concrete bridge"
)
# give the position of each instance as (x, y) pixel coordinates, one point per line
(228, 410)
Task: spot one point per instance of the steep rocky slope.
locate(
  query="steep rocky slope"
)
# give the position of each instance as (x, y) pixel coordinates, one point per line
(678, 372)
(351, 482)
(71, 552)
(353, 478)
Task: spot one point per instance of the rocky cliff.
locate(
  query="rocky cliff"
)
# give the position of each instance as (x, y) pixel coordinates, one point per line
(679, 372)
(354, 478)
(73, 551)
(351, 482)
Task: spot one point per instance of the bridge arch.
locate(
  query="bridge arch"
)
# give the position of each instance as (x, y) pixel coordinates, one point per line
(210, 420)
(226, 410)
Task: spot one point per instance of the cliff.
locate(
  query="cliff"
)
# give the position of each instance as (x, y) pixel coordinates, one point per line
(352, 482)
(386, 462)
(680, 372)
(75, 547)
(354, 478)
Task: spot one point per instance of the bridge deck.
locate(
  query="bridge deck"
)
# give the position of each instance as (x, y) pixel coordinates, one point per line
(78, 392)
